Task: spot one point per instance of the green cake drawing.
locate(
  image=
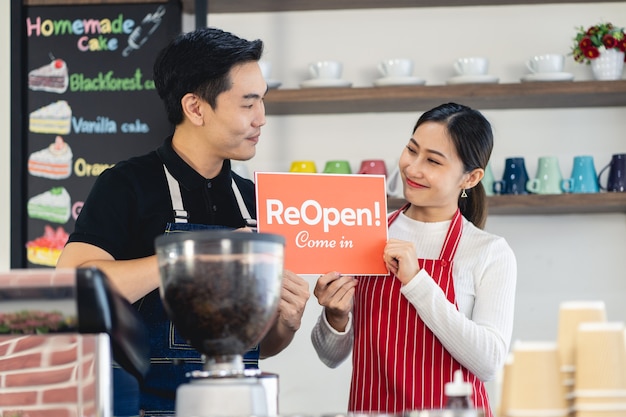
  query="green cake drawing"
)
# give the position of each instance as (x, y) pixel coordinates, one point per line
(53, 205)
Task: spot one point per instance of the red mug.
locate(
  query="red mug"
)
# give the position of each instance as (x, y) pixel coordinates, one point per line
(373, 166)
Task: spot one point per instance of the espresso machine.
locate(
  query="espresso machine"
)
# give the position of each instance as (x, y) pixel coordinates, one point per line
(221, 290)
(74, 314)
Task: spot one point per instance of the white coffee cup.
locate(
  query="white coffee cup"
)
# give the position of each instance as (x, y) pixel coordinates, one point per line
(539, 64)
(325, 69)
(395, 68)
(475, 65)
(266, 69)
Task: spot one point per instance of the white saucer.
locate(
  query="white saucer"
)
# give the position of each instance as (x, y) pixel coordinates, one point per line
(273, 83)
(548, 76)
(386, 81)
(473, 79)
(328, 82)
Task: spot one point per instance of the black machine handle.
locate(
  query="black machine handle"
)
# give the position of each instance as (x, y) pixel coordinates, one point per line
(101, 309)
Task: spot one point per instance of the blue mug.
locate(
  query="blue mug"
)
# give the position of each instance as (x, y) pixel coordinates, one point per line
(616, 181)
(514, 179)
(584, 178)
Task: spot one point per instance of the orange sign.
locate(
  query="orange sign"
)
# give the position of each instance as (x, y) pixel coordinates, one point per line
(330, 222)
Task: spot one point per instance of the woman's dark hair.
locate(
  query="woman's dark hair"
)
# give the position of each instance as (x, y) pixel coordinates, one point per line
(199, 62)
(472, 137)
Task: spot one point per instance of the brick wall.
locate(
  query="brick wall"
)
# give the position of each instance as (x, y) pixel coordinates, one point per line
(53, 376)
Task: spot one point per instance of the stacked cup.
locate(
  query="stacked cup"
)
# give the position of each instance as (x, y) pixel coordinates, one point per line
(505, 391)
(534, 386)
(571, 315)
(600, 383)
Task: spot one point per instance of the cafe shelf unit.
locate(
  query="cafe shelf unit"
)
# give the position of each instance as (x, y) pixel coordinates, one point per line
(250, 6)
(414, 98)
(524, 204)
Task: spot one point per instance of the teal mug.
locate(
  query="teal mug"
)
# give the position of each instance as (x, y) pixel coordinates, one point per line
(488, 180)
(548, 179)
(584, 178)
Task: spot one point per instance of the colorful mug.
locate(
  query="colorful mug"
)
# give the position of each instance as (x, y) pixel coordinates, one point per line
(337, 167)
(548, 179)
(488, 180)
(303, 166)
(616, 182)
(514, 179)
(584, 178)
(373, 166)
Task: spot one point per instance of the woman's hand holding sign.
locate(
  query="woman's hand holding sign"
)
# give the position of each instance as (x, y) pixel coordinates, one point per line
(335, 292)
(400, 258)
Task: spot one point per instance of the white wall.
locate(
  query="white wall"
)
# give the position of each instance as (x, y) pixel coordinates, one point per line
(560, 257)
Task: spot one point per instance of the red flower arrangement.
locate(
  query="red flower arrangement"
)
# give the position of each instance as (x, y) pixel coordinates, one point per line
(35, 322)
(589, 43)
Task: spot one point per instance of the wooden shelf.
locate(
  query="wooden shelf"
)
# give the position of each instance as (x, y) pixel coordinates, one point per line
(248, 6)
(415, 98)
(603, 202)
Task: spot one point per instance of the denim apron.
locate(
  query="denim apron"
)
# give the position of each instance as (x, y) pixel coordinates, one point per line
(171, 357)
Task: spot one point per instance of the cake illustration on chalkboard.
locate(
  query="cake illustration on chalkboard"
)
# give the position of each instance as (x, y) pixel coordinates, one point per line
(53, 205)
(53, 118)
(45, 250)
(54, 162)
(52, 77)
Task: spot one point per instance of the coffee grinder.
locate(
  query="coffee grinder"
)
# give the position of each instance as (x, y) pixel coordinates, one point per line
(221, 290)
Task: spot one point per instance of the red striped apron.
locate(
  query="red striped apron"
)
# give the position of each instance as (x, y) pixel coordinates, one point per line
(398, 363)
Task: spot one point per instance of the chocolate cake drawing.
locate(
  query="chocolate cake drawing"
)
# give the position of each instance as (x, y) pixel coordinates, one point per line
(52, 77)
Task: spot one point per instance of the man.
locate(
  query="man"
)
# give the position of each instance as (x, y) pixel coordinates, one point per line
(213, 89)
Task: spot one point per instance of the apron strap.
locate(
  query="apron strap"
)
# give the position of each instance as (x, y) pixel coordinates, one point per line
(250, 222)
(180, 214)
(452, 237)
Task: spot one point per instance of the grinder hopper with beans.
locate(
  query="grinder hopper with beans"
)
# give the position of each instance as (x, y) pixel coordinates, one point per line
(221, 290)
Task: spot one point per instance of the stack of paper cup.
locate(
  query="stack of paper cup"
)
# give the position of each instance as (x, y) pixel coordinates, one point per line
(535, 388)
(571, 314)
(505, 390)
(600, 387)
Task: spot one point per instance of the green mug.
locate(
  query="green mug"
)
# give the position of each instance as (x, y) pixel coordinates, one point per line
(337, 167)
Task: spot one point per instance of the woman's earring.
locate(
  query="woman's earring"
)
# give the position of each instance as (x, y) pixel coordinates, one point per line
(463, 194)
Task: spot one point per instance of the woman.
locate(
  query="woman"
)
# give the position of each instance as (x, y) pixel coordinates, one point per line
(448, 302)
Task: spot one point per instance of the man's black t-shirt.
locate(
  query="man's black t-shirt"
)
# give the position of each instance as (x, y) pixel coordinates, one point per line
(129, 204)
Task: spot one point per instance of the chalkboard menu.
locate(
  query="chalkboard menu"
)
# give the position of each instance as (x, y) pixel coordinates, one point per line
(90, 102)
